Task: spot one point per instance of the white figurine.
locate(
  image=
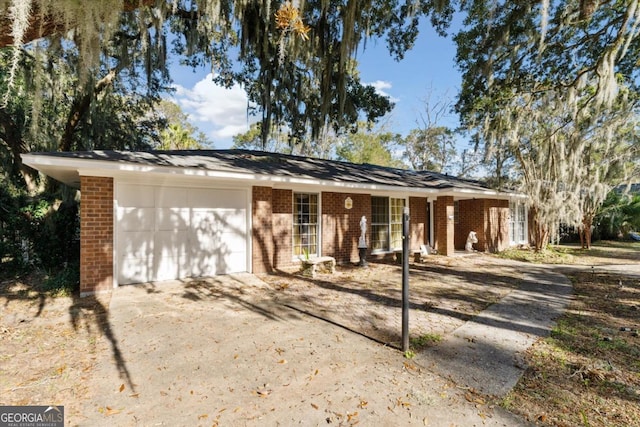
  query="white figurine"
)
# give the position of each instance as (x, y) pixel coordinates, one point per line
(362, 242)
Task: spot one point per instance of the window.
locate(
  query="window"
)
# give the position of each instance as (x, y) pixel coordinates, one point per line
(305, 224)
(517, 223)
(386, 223)
(379, 223)
(397, 208)
(521, 227)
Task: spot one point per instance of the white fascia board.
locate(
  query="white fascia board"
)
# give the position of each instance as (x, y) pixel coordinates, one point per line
(471, 193)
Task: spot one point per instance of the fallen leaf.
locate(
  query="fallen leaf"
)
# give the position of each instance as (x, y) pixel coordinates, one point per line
(363, 404)
(282, 362)
(121, 389)
(111, 411)
(349, 416)
(425, 421)
(136, 395)
(314, 406)
(203, 416)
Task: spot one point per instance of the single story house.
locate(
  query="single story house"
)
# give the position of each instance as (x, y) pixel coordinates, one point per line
(158, 215)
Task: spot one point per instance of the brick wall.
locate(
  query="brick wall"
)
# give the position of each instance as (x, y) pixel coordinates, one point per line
(489, 218)
(497, 224)
(272, 214)
(418, 222)
(443, 218)
(282, 228)
(341, 226)
(262, 239)
(96, 234)
(471, 218)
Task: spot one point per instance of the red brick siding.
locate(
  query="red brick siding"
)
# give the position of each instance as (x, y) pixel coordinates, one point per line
(282, 228)
(262, 238)
(418, 222)
(489, 218)
(445, 225)
(96, 234)
(272, 218)
(497, 224)
(471, 218)
(341, 226)
(435, 224)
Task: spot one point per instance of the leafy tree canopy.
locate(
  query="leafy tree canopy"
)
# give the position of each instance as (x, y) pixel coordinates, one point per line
(295, 60)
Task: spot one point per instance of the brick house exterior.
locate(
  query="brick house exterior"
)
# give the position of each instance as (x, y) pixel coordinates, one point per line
(262, 207)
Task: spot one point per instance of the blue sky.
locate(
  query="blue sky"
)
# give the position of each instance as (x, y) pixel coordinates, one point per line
(428, 70)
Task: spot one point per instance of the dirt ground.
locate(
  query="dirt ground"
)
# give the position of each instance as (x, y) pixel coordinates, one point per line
(51, 347)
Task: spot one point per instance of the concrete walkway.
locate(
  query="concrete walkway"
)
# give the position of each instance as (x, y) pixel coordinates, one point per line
(485, 352)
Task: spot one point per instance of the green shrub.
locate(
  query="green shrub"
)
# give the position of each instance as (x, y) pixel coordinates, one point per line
(64, 281)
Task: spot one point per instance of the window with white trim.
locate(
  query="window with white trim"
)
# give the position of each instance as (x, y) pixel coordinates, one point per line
(305, 224)
(386, 223)
(517, 223)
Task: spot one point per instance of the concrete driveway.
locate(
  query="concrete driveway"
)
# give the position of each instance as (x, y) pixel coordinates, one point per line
(222, 352)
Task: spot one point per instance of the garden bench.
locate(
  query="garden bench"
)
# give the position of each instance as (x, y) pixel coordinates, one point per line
(310, 265)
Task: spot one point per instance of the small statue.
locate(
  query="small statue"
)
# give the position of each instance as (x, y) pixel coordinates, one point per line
(362, 242)
(471, 239)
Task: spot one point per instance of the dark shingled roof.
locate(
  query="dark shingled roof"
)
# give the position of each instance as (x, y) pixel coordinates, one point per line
(264, 163)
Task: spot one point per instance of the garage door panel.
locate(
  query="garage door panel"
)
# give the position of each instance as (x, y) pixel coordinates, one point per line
(203, 221)
(136, 219)
(170, 244)
(171, 197)
(184, 232)
(234, 262)
(217, 199)
(204, 264)
(135, 244)
(172, 218)
(135, 270)
(138, 196)
(231, 219)
(231, 242)
(167, 268)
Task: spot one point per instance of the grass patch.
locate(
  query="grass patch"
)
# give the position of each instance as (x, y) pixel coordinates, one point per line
(426, 340)
(586, 372)
(550, 255)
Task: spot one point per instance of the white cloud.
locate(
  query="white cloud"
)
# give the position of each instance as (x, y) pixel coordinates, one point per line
(381, 88)
(219, 112)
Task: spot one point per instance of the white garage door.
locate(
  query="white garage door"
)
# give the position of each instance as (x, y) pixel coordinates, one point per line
(173, 232)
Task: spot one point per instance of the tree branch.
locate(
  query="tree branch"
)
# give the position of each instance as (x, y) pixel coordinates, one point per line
(80, 107)
(46, 25)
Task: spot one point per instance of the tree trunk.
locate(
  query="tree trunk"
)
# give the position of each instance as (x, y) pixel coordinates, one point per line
(539, 231)
(587, 224)
(11, 134)
(80, 107)
(541, 235)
